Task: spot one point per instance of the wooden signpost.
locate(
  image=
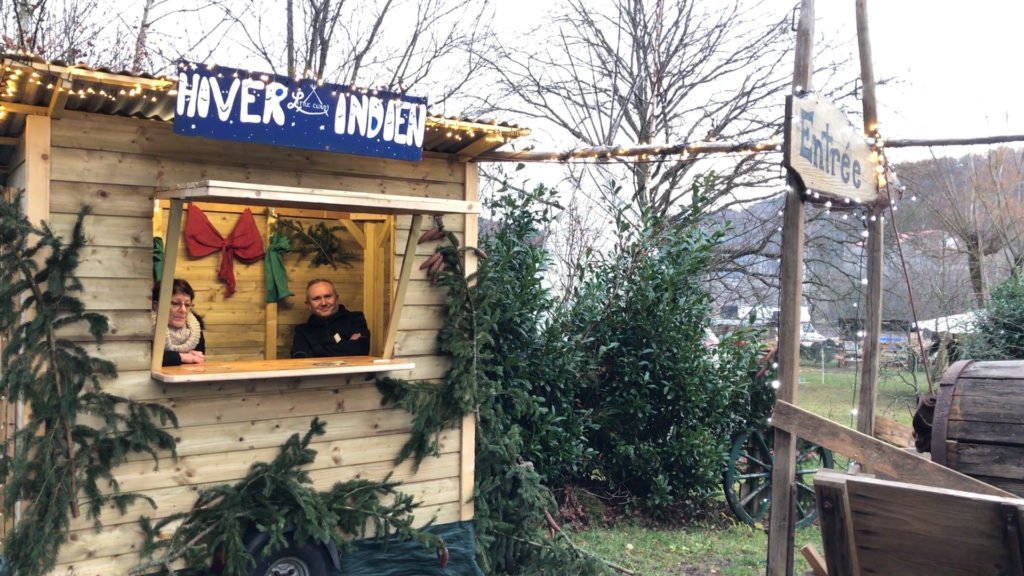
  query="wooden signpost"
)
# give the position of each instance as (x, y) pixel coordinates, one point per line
(823, 154)
(826, 154)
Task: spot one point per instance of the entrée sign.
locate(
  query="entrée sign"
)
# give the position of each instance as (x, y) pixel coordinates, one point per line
(229, 104)
(826, 153)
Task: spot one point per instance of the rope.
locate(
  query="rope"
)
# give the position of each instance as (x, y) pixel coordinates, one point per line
(910, 293)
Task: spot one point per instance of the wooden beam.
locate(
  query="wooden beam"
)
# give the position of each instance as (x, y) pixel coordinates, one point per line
(163, 309)
(835, 527)
(10, 412)
(24, 109)
(876, 238)
(781, 521)
(403, 286)
(283, 368)
(814, 560)
(316, 198)
(617, 153)
(37, 168)
(353, 229)
(270, 308)
(373, 281)
(467, 447)
(892, 432)
(912, 142)
(36, 206)
(882, 459)
(872, 325)
(477, 147)
(58, 99)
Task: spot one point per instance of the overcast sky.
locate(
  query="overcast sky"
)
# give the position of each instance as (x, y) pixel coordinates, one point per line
(955, 63)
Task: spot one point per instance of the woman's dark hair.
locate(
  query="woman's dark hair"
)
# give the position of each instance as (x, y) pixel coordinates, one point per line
(179, 287)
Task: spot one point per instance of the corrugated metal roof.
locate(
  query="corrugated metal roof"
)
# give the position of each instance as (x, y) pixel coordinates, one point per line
(35, 86)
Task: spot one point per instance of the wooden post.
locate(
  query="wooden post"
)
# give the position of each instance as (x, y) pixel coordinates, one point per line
(780, 553)
(873, 319)
(467, 446)
(8, 413)
(37, 168)
(163, 309)
(36, 207)
(403, 286)
(269, 308)
(373, 289)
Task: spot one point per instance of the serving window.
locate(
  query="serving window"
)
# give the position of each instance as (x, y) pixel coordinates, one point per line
(357, 257)
(245, 334)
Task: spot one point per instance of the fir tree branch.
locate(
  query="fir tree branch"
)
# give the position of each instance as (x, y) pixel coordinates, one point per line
(54, 457)
(37, 292)
(277, 498)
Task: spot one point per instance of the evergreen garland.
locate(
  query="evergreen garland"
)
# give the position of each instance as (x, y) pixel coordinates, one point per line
(277, 498)
(54, 459)
(317, 240)
(487, 330)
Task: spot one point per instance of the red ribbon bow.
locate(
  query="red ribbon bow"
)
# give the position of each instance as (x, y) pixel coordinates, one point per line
(243, 243)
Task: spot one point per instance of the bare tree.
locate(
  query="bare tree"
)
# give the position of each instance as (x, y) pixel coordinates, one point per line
(399, 44)
(143, 36)
(65, 30)
(657, 71)
(164, 31)
(976, 200)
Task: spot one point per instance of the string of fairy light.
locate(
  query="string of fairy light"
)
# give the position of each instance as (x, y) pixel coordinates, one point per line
(23, 70)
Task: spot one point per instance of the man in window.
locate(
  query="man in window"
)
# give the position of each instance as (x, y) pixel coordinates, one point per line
(331, 329)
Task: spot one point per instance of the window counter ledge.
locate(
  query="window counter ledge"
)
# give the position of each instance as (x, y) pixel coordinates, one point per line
(285, 368)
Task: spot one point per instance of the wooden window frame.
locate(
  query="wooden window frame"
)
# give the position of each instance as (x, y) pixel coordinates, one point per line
(224, 192)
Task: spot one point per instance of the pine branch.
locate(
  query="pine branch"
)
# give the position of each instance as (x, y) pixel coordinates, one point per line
(278, 498)
(54, 457)
(316, 239)
(37, 293)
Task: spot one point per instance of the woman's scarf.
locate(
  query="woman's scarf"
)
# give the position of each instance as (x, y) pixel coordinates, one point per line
(184, 339)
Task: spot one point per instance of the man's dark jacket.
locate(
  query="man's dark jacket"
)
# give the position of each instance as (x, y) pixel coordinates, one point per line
(331, 336)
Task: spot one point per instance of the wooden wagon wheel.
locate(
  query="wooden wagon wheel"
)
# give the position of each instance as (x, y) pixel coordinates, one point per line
(748, 477)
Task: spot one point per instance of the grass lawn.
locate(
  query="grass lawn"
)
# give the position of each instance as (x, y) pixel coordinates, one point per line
(740, 549)
(833, 393)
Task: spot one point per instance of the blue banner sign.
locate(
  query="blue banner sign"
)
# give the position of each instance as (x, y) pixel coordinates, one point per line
(229, 104)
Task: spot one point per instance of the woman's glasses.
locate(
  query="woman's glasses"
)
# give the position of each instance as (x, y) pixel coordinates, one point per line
(181, 304)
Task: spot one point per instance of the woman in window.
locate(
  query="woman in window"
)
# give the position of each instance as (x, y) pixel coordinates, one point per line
(185, 343)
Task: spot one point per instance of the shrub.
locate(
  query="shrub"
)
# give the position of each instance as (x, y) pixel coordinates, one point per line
(664, 406)
(1001, 329)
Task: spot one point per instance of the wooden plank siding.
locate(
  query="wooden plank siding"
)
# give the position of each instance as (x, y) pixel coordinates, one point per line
(113, 165)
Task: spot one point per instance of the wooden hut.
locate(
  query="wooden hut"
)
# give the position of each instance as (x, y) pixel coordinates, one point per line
(73, 136)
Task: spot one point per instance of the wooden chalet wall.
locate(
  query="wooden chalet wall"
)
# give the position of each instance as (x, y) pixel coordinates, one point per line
(113, 164)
